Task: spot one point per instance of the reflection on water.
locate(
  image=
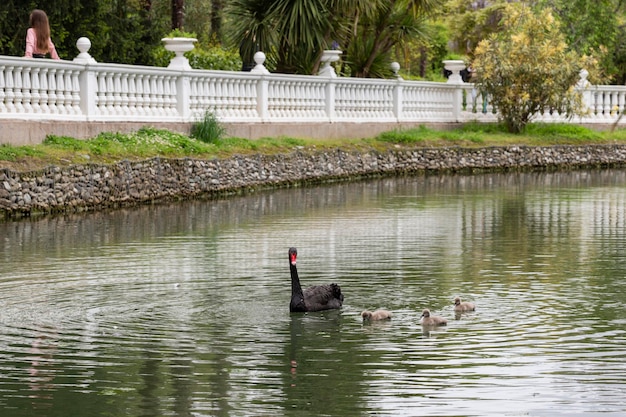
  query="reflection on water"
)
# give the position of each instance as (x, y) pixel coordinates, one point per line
(182, 309)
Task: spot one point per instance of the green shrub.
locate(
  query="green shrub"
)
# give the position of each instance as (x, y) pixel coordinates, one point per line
(528, 67)
(177, 33)
(208, 129)
(214, 58)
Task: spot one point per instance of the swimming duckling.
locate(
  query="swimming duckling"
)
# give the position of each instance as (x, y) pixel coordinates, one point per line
(376, 315)
(431, 321)
(461, 306)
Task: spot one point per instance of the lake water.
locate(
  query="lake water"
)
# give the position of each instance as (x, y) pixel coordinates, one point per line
(182, 309)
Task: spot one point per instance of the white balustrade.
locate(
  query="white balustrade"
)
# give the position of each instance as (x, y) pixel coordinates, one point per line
(85, 90)
(230, 97)
(3, 107)
(364, 100)
(293, 98)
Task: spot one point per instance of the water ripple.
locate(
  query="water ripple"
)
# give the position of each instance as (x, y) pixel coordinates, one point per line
(192, 318)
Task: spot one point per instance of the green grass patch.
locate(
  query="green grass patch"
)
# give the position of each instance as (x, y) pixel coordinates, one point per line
(149, 142)
(495, 134)
(13, 153)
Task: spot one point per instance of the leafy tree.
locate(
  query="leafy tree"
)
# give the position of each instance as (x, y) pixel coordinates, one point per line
(593, 26)
(618, 53)
(526, 68)
(122, 31)
(422, 57)
(129, 34)
(470, 22)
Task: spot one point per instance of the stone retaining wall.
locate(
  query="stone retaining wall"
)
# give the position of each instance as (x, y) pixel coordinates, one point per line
(92, 187)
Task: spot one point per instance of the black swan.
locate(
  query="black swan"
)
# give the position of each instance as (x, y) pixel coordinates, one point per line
(460, 306)
(431, 321)
(316, 298)
(379, 314)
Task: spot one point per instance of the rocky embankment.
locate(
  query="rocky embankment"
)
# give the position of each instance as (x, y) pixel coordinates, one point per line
(92, 187)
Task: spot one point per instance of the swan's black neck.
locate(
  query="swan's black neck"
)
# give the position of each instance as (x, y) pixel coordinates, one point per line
(297, 296)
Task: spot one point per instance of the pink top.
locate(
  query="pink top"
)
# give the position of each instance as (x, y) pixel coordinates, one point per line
(31, 47)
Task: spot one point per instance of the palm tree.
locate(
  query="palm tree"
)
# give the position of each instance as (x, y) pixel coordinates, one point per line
(251, 28)
(293, 33)
(391, 23)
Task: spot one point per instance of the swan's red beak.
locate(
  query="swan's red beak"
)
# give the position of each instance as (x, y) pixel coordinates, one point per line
(292, 258)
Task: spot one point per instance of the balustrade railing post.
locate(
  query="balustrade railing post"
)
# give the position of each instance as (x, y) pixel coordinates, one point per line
(87, 80)
(397, 92)
(397, 100)
(183, 93)
(330, 99)
(584, 87)
(88, 92)
(457, 103)
(455, 67)
(262, 86)
(262, 89)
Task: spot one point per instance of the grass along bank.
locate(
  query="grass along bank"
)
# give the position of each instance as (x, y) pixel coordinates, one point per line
(147, 143)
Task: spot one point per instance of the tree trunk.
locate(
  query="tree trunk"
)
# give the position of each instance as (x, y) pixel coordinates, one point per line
(216, 19)
(423, 61)
(178, 14)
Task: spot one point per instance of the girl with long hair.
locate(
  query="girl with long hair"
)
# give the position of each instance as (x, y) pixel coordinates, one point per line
(38, 42)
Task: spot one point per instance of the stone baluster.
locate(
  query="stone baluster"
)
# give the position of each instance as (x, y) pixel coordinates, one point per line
(7, 73)
(3, 107)
(209, 91)
(133, 102)
(110, 93)
(159, 87)
(154, 96)
(621, 101)
(27, 75)
(116, 81)
(148, 93)
(74, 80)
(102, 93)
(124, 94)
(140, 94)
(44, 97)
(59, 84)
(36, 90)
(53, 92)
(251, 98)
(172, 97)
(68, 93)
(17, 89)
(231, 99)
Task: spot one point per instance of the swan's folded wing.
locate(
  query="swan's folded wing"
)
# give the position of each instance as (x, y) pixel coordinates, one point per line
(321, 297)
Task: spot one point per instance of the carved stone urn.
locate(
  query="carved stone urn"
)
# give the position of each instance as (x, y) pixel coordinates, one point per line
(328, 57)
(179, 46)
